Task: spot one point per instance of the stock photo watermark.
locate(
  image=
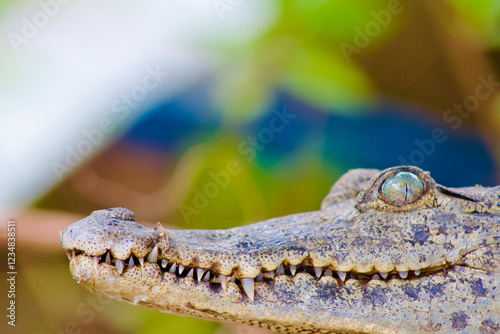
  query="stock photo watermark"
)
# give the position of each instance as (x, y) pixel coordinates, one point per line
(120, 110)
(364, 36)
(32, 25)
(221, 7)
(87, 312)
(454, 117)
(248, 149)
(11, 272)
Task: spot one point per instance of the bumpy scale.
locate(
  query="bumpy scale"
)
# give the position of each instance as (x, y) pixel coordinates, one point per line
(389, 252)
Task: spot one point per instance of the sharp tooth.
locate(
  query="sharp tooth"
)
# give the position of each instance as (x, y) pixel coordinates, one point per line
(384, 275)
(318, 271)
(266, 274)
(271, 274)
(96, 261)
(293, 269)
(280, 270)
(181, 268)
(232, 279)
(108, 258)
(199, 273)
(342, 275)
(223, 281)
(130, 262)
(190, 273)
(403, 274)
(172, 269)
(153, 256)
(247, 284)
(119, 265)
(164, 263)
(417, 272)
(259, 277)
(141, 261)
(69, 254)
(328, 272)
(207, 276)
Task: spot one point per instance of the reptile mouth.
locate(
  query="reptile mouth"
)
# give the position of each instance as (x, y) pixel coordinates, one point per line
(219, 281)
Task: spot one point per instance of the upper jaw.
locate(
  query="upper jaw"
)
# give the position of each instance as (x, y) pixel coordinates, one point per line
(112, 238)
(112, 230)
(358, 235)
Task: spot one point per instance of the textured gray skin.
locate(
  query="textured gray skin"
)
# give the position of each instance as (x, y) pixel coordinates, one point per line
(440, 253)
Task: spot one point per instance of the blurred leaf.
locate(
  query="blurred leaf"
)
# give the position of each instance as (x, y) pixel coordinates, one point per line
(483, 16)
(160, 323)
(222, 198)
(322, 19)
(321, 78)
(302, 54)
(244, 92)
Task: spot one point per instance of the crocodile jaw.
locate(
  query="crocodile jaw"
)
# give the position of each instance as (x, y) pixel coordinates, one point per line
(187, 297)
(285, 302)
(426, 257)
(355, 306)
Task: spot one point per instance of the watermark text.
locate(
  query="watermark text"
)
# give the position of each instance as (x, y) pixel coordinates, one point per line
(248, 149)
(11, 272)
(120, 110)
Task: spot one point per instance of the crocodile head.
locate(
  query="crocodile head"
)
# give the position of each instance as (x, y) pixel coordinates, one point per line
(389, 252)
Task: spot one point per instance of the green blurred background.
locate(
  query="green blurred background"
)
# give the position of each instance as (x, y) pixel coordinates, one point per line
(139, 104)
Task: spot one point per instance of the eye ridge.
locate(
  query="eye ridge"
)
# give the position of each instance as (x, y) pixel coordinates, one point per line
(391, 189)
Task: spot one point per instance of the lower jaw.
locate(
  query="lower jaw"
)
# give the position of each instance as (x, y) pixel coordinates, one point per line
(105, 278)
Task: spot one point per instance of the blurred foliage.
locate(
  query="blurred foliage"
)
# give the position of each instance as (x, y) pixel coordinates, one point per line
(151, 322)
(301, 55)
(265, 187)
(484, 17)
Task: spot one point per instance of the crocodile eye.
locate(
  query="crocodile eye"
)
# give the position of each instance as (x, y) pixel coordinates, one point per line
(402, 188)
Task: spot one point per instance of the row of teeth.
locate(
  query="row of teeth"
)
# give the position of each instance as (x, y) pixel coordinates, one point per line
(208, 276)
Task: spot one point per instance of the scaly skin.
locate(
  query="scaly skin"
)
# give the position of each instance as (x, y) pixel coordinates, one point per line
(422, 259)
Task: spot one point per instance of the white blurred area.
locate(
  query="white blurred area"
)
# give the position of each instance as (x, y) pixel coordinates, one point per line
(67, 66)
